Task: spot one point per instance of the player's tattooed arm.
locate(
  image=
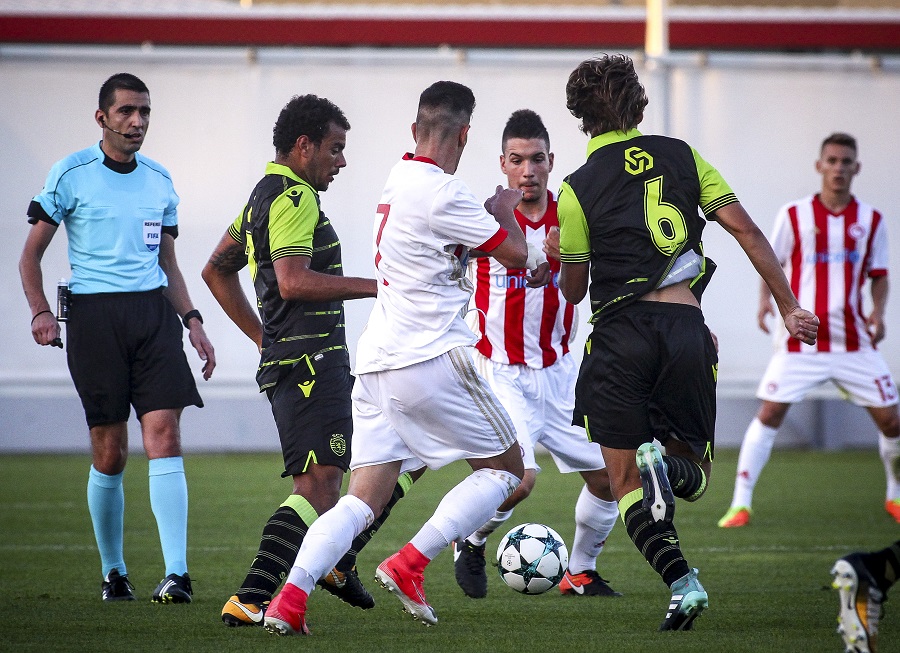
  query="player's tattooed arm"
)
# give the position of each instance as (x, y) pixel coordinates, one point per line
(229, 259)
(221, 275)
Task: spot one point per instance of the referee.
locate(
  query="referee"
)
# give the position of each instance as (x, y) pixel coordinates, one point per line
(124, 331)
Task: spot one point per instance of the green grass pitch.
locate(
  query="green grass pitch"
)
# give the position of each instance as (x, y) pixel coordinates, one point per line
(768, 583)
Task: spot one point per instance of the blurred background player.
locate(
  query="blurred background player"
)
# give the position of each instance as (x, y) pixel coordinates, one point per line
(828, 244)
(295, 261)
(629, 225)
(864, 579)
(417, 397)
(125, 344)
(524, 326)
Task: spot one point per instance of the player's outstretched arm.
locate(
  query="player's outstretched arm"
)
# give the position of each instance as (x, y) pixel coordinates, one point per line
(44, 327)
(800, 323)
(296, 282)
(177, 293)
(221, 275)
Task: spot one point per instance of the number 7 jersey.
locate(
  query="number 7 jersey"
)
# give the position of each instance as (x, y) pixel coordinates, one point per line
(426, 223)
(632, 210)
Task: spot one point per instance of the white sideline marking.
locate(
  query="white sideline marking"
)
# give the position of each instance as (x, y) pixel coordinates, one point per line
(43, 505)
(92, 547)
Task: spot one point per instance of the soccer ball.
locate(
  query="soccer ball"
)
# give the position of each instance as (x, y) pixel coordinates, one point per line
(532, 558)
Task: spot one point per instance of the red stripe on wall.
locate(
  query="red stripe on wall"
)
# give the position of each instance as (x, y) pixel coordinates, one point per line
(684, 33)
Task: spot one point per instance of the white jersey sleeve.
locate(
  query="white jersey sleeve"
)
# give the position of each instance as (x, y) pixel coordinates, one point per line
(457, 217)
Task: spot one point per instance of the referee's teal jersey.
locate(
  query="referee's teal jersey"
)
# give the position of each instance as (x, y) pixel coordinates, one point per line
(114, 216)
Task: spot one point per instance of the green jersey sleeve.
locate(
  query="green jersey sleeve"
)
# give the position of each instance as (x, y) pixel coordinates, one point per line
(574, 243)
(235, 229)
(714, 190)
(292, 220)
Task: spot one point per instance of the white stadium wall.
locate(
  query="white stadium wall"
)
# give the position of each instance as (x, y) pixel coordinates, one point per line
(758, 118)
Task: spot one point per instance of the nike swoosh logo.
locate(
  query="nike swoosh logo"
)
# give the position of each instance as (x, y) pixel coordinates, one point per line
(255, 617)
(579, 589)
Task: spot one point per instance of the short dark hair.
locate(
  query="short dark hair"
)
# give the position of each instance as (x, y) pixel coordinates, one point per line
(839, 138)
(119, 81)
(525, 124)
(305, 115)
(444, 107)
(606, 94)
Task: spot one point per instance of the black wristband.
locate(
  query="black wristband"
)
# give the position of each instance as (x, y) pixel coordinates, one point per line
(46, 310)
(193, 313)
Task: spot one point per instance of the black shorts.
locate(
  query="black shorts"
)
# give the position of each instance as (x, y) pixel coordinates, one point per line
(126, 349)
(313, 414)
(649, 371)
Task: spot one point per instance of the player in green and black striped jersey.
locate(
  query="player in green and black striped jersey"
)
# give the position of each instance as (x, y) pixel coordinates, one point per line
(654, 202)
(283, 221)
(629, 224)
(294, 257)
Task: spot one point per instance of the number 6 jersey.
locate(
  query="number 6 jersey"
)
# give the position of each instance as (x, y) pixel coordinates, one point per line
(635, 191)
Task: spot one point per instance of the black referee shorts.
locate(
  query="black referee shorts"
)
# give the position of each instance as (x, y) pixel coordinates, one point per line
(126, 349)
(312, 411)
(649, 371)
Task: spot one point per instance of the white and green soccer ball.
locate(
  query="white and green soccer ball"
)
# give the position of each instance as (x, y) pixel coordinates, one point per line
(532, 558)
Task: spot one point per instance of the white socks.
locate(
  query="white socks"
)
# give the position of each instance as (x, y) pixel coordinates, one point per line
(480, 536)
(755, 451)
(463, 509)
(594, 521)
(328, 539)
(889, 449)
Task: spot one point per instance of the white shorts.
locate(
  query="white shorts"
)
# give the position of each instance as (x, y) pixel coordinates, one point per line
(540, 402)
(862, 376)
(431, 413)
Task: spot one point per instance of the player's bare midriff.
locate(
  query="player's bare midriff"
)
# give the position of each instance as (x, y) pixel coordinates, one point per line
(679, 293)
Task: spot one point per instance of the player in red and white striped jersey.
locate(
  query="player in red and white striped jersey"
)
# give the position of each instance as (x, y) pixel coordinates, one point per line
(829, 245)
(519, 324)
(524, 325)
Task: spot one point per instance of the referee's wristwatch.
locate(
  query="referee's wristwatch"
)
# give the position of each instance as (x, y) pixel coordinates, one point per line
(193, 313)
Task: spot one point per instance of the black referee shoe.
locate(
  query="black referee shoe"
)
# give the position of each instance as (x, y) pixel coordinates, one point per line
(116, 587)
(173, 589)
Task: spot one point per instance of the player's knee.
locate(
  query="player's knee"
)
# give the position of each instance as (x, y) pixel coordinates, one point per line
(320, 485)
(527, 484)
(598, 484)
(890, 426)
(772, 414)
